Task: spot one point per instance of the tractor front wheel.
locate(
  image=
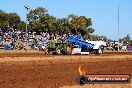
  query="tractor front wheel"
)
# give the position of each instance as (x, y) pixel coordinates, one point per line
(46, 51)
(58, 51)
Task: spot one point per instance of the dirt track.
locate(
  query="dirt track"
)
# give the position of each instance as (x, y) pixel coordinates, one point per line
(57, 71)
(41, 54)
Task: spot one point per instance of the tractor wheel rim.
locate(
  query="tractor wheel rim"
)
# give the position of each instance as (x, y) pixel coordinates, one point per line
(68, 49)
(58, 51)
(46, 50)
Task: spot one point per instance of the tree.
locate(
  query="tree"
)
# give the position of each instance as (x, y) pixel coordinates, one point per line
(1, 11)
(63, 25)
(8, 19)
(39, 20)
(36, 14)
(21, 25)
(3, 19)
(125, 39)
(49, 23)
(13, 19)
(80, 24)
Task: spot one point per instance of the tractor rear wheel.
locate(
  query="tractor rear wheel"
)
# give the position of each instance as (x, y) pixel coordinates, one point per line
(100, 50)
(68, 49)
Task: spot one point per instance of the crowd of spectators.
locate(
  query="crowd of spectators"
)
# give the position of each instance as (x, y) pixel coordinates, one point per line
(13, 39)
(114, 46)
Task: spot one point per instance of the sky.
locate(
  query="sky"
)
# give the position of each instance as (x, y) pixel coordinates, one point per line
(104, 13)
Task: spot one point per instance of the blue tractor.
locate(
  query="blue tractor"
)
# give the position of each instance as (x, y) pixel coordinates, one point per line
(77, 42)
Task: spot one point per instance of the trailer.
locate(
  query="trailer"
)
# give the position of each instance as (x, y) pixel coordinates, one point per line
(98, 46)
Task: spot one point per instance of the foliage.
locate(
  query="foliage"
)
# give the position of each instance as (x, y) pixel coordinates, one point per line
(8, 19)
(63, 25)
(3, 19)
(80, 24)
(13, 19)
(125, 39)
(40, 20)
(21, 25)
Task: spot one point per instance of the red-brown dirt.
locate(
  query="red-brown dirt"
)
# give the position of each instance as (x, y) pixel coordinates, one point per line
(41, 54)
(56, 72)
